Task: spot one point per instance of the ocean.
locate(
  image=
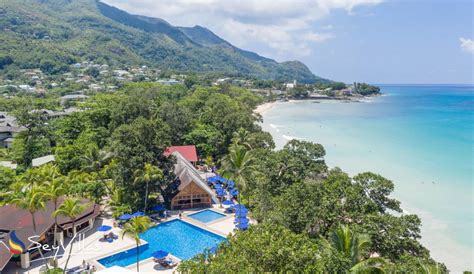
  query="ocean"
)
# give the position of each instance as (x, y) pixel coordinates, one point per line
(419, 136)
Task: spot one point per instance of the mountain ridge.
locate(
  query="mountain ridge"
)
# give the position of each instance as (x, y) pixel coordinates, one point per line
(54, 33)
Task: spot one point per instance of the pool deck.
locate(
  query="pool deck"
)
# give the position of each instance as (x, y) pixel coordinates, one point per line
(90, 249)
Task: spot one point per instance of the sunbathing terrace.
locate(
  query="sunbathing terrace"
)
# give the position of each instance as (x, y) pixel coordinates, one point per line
(20, 221)
(91, 248)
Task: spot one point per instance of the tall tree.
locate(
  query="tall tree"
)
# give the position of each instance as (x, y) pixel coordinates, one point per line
(95, 161)
(355, 247)
(54, 189)
(31, 199)
(134, 228)
(148, 175)
(71, 207)
(242, 137)
(239, 165)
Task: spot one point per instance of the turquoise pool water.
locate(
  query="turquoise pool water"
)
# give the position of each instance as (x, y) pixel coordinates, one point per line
(179, 238)
(206, 216)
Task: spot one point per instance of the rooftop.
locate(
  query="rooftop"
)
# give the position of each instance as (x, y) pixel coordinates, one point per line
(188, 152)
(13, 218)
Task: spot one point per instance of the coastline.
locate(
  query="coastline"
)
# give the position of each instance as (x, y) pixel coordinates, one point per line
(435, 229)
(261, 109)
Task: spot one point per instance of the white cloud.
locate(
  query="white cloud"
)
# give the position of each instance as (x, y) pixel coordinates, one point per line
(467, 44)
(283, 29)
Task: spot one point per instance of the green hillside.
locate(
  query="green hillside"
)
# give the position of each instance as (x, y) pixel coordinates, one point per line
(51, 34)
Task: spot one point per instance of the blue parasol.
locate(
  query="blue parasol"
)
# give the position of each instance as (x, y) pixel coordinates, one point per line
(158, 208)
(242, 226)
(137, 214)
(213, 249)
(227, 202)
(240, 206)
(241, 220)
(104, 228)
(125, 217)
(220, 192)
(160, 254)
(234, 192)
(230, 184)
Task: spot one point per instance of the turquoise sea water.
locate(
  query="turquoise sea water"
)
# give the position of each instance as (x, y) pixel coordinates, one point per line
(421, 137)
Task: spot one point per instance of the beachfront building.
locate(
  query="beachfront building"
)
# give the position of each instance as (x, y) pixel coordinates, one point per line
(193, 191)
(19, 221)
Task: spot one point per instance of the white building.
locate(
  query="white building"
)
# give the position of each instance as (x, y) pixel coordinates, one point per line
(290, 85)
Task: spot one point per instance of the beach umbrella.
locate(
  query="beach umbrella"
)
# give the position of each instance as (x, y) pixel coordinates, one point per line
(241, 220)
(137, 214)
(125, 217)
(158, 208)
(221, 193)
(104, 228)
(213, 179)
(234, 192)
(240, 212)
(240, 206)
(230, 184)
(242, 226)
(227, 202)
(213, 249)
(160, 254)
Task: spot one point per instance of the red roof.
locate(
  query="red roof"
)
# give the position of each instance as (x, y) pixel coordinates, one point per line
(188, 152)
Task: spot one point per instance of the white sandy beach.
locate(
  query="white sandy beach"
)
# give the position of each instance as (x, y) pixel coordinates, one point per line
(261, 109)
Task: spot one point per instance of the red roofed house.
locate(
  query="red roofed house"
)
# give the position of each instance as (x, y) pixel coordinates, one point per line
(188, 152)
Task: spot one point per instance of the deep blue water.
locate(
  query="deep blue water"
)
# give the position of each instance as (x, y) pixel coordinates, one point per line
(206, 216)
(177, 237)
(419, 136)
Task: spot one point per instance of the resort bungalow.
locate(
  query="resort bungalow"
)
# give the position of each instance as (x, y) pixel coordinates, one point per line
(188, 152)
(20, 221)
(193, 191)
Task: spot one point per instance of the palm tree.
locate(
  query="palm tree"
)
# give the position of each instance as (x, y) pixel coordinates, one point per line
(5, 154)
(149, 174)
(134, 228)
(46, 173)
(239, 165)
(242, 137)
(54, 189)
(96, 160)
(71, 208)
(31, 199)
(355, 247)
(430, 268)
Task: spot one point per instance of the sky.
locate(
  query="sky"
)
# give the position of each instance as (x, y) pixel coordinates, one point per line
(374, 41)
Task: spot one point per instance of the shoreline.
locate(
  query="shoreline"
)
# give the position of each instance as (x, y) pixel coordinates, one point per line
(432, 225)
(262, 108)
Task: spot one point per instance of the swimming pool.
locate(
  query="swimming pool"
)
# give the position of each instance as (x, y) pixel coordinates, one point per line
(179, 238)
(206, 216)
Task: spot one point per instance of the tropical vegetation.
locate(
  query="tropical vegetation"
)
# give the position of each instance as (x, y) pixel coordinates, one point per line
(133, 229)
(310, 217)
